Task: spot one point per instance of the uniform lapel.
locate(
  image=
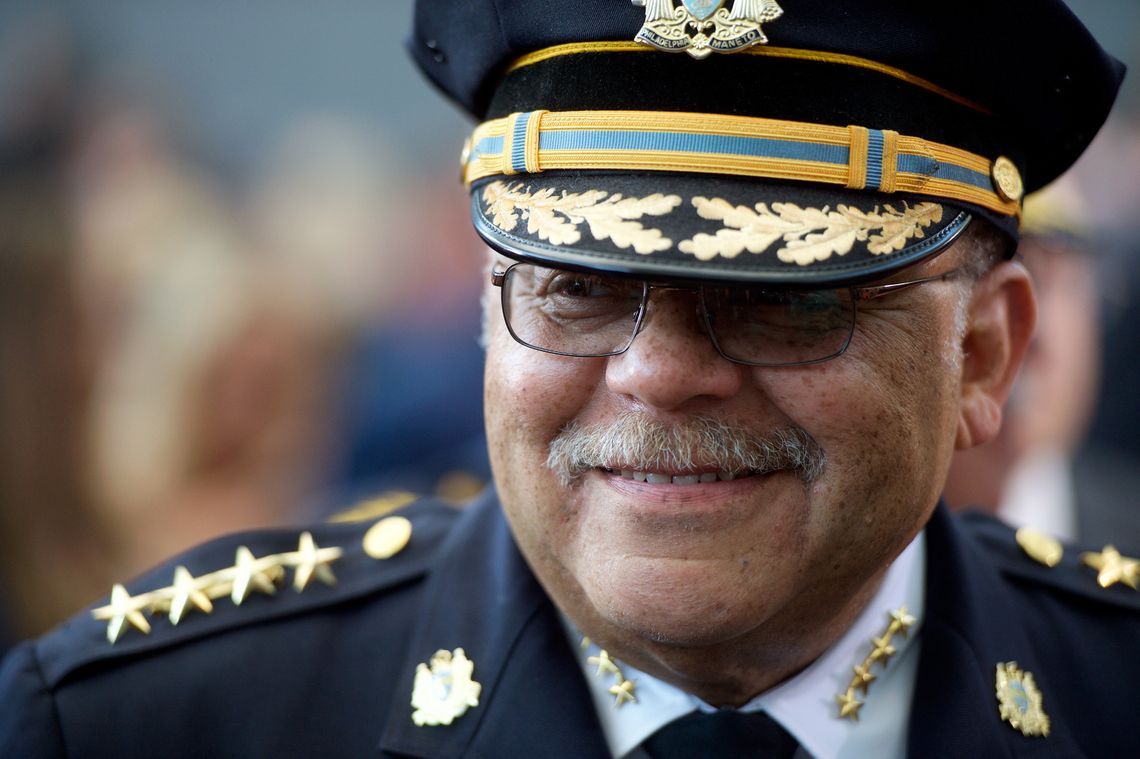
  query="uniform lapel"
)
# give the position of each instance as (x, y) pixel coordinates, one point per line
(971, 625)
(482, 597)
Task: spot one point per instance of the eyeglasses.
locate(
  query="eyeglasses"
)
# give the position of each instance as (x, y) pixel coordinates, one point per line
(590, 315)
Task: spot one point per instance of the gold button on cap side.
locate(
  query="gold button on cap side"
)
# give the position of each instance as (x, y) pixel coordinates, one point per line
(1007, 179)
(387, 537)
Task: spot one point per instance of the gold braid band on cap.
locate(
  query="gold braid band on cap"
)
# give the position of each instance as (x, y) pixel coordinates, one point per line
(854, 157)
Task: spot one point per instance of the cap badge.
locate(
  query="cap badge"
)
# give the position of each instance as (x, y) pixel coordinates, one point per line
(1019, 701)
(445, 690)
(700, 27)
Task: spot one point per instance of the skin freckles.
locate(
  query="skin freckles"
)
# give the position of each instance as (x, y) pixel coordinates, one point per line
(728, 589)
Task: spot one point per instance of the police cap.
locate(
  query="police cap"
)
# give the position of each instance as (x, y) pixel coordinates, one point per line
(802, 142)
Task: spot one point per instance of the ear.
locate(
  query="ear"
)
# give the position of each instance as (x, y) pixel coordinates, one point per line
(1001, 317)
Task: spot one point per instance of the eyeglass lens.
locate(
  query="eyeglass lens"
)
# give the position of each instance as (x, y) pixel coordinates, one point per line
(580, 314)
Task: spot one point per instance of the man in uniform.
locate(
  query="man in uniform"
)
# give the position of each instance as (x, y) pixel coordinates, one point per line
(750, 286)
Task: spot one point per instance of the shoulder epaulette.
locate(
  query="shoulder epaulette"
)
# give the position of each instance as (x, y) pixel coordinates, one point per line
(248, 578)
(1105, 575)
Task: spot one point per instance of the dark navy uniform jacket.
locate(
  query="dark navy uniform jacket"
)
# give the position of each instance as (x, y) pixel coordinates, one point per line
(328, 672)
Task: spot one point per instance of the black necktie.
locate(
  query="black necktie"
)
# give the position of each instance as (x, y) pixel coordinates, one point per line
(722, 734)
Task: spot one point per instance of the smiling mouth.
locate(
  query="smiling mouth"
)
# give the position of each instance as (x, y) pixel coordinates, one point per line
(688, 478)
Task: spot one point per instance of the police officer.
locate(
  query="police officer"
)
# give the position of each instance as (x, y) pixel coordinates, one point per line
(751, 286)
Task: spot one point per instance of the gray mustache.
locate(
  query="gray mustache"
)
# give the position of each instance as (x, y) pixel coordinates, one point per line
(644, 444)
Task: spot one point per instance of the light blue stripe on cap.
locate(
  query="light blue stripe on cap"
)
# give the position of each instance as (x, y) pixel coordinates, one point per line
(487, 146)
(874, 158)
(675, 142)
(518, 143)
(916, 164)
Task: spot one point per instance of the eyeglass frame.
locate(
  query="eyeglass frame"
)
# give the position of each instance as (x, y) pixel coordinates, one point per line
(860, 294)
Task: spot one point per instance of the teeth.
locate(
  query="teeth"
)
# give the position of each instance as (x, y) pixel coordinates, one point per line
(653, 478)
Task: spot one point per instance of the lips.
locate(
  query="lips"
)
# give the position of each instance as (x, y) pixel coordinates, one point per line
(664, 478)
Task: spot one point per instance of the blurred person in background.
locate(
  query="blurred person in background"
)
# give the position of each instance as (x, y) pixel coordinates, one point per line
(169, 351)
(224, 329)
(410, 396)
(55, 548)
(1041, 470)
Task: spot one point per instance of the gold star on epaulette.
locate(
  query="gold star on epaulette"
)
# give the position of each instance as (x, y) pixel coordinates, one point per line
(122, 610)
(882, 649)
(1112, 568)
(311, 561)
(253, 574)
(187, 590)
(248, 573)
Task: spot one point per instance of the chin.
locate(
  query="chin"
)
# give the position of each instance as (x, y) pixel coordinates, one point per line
(673, 603)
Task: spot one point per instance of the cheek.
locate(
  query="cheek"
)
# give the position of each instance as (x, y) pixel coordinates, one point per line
(529, 396)
(881, 415)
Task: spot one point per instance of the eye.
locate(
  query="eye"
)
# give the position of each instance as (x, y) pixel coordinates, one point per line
(576, 285)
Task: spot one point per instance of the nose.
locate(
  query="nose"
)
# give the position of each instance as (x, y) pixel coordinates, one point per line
(672, 363)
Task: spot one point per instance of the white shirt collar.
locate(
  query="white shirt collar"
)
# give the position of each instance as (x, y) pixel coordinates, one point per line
(806, 704)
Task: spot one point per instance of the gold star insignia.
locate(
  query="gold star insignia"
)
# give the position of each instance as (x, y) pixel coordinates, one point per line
(313, 561)
(883, 649)
(252, 574)
(902, 620)
(622, 692)
(1113, 568)
(849, 706)
(186, 592)
(604, 662)
(863, 677)
(123, 610)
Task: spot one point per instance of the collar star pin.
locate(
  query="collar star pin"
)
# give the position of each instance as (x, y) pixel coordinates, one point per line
(623, 690)
(882, 649)
(445, 690)
(700, 27)
(1019, 700)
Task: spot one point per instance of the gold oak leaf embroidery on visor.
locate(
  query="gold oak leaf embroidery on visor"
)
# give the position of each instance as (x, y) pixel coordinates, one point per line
(556, 216)
(809, 234)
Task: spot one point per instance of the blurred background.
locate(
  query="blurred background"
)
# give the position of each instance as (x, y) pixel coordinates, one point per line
(238, 284)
